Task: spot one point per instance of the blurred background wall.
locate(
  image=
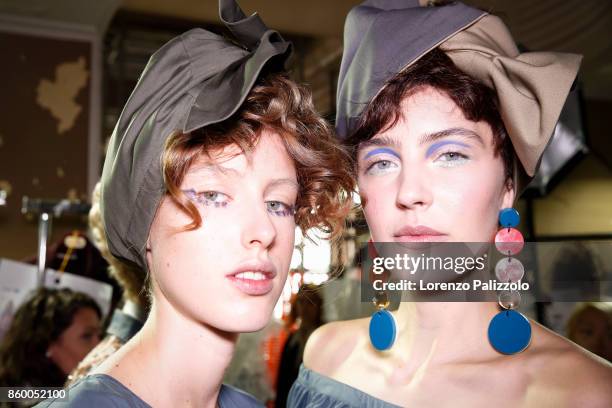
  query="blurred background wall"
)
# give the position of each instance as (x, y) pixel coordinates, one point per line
(106, 43)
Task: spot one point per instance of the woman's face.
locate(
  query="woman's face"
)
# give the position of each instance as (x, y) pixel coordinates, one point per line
(76, 341)
(229, 272)
(433, 176)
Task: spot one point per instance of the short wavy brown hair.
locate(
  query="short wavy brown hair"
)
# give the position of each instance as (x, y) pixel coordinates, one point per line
(279, 104)
(435, 69)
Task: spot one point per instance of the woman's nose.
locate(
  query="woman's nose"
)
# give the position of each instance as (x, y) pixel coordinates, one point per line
(258, 228)
(413, 189)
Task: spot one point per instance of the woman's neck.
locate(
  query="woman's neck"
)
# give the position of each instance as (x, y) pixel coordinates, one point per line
(174, 360)
(440, 332)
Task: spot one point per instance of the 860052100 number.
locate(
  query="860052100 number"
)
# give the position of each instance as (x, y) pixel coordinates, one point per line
(21, 394)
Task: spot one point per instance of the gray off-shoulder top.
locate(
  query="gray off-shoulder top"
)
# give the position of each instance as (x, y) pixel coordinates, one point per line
(101, 390)
(314, 390)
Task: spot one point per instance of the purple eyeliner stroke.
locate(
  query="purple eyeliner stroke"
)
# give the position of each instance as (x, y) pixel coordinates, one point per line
(432, 149)
(285, 213)
(193, 196)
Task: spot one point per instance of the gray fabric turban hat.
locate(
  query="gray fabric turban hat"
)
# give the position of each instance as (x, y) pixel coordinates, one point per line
(384, 37)
(197, 79)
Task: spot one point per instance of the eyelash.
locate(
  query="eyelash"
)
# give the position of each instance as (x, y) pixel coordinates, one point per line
(201, 198)
(289, 210)
(448, 163)
(460, 157)
(370, 165)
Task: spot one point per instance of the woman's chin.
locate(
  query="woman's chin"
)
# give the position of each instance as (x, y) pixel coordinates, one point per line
(246, 326)
(252, 321)
(251, 327)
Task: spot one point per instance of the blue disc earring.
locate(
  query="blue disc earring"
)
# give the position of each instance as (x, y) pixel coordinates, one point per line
(382, 324)
(509, 331)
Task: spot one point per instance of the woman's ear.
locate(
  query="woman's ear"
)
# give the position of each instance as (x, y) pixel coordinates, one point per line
(509, 194)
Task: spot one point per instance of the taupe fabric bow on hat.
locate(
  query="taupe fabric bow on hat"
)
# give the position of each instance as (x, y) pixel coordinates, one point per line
(383, 37)
(195, 80)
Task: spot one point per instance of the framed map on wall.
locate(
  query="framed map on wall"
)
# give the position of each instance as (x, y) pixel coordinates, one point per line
(49, 124)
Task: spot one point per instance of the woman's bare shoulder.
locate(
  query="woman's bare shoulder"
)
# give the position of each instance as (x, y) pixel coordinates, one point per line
(331, 344)
(560, 365)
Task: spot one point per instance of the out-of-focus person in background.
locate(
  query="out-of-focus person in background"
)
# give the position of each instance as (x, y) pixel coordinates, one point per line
(306, 315)
(590, 326)
(342, 296)
(576, 270)
(127, 320)
(49, 335)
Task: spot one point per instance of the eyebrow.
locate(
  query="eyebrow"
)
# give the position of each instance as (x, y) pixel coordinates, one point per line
(212, 169)
(382, 141)
(387, 141)
(456, 131)
(215, 169)
(283, 181)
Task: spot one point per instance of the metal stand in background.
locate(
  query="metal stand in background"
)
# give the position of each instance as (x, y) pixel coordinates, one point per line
(44, 225)
(46, 210)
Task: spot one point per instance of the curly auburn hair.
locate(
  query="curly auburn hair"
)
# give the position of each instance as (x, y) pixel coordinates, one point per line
(278, 104)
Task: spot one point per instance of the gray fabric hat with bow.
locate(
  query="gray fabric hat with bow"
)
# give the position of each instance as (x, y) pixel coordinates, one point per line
(197, 79)
(384, 37)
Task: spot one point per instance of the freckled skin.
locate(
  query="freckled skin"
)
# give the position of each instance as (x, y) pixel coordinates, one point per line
(190, 267)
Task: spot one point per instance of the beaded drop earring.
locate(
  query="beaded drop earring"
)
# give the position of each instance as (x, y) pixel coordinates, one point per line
(509, 331)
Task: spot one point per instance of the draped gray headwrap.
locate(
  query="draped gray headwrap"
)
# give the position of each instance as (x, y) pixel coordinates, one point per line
(196, 79)
(384, 37)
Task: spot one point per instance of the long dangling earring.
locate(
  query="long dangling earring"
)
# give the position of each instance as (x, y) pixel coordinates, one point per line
(509, 331)
(382, 323)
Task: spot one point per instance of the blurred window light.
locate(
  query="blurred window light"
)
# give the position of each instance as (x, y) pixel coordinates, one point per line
(315, 278)
(317, 255)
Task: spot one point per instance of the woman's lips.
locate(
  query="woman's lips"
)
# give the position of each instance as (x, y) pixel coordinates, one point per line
(254, 287)
(419, 238)
(418, 233)
(253, 277)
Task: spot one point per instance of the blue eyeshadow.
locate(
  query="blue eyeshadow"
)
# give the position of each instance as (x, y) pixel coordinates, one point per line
(382, 150)
(431, 149)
